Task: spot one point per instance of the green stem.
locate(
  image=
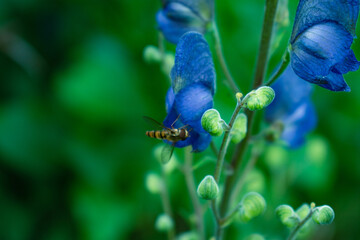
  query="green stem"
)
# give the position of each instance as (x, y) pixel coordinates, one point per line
(218, 229)
(229, 217)
(226, 139)
(261, 66)
(263, 56)
(298, 227)
(285, 62)
(166, 203)
(220, 162)
(220, 55)
(188, 173)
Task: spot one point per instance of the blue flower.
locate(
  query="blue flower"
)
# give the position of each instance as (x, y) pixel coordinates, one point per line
(192, 90)
(292, 106)
(321, 39)
(181, 16)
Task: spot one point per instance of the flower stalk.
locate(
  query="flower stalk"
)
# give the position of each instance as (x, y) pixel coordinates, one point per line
(261, 66)
(220, 56)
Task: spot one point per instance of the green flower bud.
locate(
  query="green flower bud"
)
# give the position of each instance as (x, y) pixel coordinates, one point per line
(259, 98)
(252, 205)
(169, 60)
(153, 183)
(164, 223)
(238, 96)
(239, 129)
(152, 54)
(303, 211)
(208, 188)
(255, 236)
(323, 215)
(212, 122)
(287, 216)
(188, 236)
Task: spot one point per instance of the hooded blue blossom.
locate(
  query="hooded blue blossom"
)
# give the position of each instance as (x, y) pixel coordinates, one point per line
(321, 39)
(180, 16)
(292, 106)
(192, 90)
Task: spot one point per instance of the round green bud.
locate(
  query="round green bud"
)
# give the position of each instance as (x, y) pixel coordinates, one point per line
(169, 60)
(188, 236)
(152, 54)
(252, 205)
(323, 215)
(238, 96)
(287, 215)
(303, 211)
(212, 122)
(239, 128)
(153, 183)
(164, 223)
(208, 188)
(255, 236)
(260, 98)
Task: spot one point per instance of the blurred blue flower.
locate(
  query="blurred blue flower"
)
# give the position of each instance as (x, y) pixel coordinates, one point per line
(321, 39)
(293, 107)
(180, 16)
(192, 90)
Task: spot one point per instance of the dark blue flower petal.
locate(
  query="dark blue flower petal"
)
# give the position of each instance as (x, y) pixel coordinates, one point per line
(292, 106)
(169, 100)
(193, 63)
(334, 82)
(181, 16)
(203, 8)
(321, 49)
(298, 123)
(312, 12)
(201, 142)
(290, 91)
(350, 63)
(321, 40)
(192, 101)
(175, 20)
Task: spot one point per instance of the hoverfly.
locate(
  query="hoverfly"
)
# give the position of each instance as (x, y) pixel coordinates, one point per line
(170, 134)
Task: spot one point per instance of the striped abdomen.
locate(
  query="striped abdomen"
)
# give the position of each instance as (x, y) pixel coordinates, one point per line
(159, 134)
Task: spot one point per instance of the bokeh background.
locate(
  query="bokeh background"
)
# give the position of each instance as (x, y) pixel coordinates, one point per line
(73, 153)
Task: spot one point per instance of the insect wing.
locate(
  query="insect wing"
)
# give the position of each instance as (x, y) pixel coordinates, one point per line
(167, 152)
(154, 122)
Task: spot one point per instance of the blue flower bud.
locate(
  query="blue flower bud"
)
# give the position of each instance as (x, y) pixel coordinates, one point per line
(287, 216)
(153, 183)
(152, 54)
(208, 188)
(212, 122)
(239, 129)
(252, 205)
(259, 98)
(323, 215)
(164, 223)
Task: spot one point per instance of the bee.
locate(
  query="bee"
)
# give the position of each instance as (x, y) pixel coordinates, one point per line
(170, 134)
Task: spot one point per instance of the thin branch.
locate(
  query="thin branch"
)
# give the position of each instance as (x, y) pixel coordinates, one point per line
(166, 203)
(220, 55)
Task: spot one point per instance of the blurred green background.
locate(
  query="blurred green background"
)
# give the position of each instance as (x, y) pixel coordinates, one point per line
(73, 151)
